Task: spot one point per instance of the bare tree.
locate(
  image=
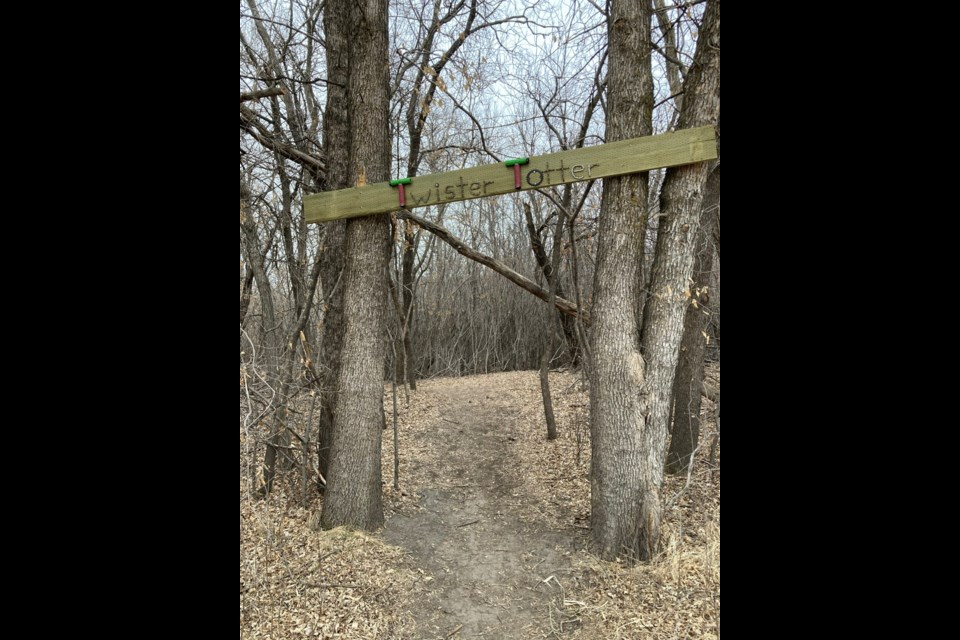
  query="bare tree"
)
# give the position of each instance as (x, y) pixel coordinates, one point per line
(675, 67)
(680, 205)
(618, 408)
(441, 31)
(336, 143)
(353, 496)
(426, 82)
(688, 384)
(283, 119)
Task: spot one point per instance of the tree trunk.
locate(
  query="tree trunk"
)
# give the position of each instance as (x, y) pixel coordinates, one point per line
(246, 291)
(269, 358)
(306, 461)
(618, 409)
(671, 60)
(336, 144)
(545, 393)
(406, 296)
(680, 203)
(403, 351)
(688, 385)
(353, 496)
(553, 283)
(567, 323)
(330, 346)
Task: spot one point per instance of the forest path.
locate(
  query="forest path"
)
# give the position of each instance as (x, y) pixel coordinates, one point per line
(475, 531)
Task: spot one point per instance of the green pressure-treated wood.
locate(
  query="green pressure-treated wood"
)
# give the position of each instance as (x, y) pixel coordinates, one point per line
(601, 161)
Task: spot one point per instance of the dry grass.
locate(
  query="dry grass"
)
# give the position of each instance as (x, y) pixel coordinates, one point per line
(298, 582)
(678, 595)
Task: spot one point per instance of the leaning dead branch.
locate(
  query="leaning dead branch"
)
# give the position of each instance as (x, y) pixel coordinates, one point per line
(563, 305)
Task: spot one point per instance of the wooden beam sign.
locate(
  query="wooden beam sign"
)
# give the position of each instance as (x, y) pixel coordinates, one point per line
(518, 174)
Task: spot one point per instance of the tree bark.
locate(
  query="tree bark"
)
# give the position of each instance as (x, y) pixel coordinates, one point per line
(353, 496)
(404, 358)
(246, 291)
(336, 144)
(688, 385)
(545, 394)
(553, 284)
(618, 409)
(680, 204)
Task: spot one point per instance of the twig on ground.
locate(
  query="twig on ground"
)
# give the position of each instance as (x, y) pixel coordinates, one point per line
(332, 585)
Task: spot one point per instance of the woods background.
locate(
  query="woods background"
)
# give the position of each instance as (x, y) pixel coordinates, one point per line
(464, 83)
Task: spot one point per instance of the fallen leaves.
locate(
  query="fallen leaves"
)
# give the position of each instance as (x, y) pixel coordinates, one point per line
(296, 582)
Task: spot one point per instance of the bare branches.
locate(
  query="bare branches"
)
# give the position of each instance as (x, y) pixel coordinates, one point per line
(483, 141)
(418, 108)
(278, 78)
(269, 140)
(263, 93)
(521, 281)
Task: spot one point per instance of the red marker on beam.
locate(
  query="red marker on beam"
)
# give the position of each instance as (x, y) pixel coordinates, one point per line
(515, 163)
(399, 183)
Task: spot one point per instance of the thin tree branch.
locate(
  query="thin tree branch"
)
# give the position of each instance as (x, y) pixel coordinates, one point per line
(263, 93)
(669, 98)
(248, 122)
(523, 282)
(289, 79)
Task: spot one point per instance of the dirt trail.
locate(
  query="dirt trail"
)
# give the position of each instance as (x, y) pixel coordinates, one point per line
(484, 556)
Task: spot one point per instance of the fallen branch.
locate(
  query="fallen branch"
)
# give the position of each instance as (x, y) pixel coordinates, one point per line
(563, 305)
(454, 632)
(332, 585)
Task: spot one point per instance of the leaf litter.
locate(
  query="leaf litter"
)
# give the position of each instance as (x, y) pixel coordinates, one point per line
(473, 559)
